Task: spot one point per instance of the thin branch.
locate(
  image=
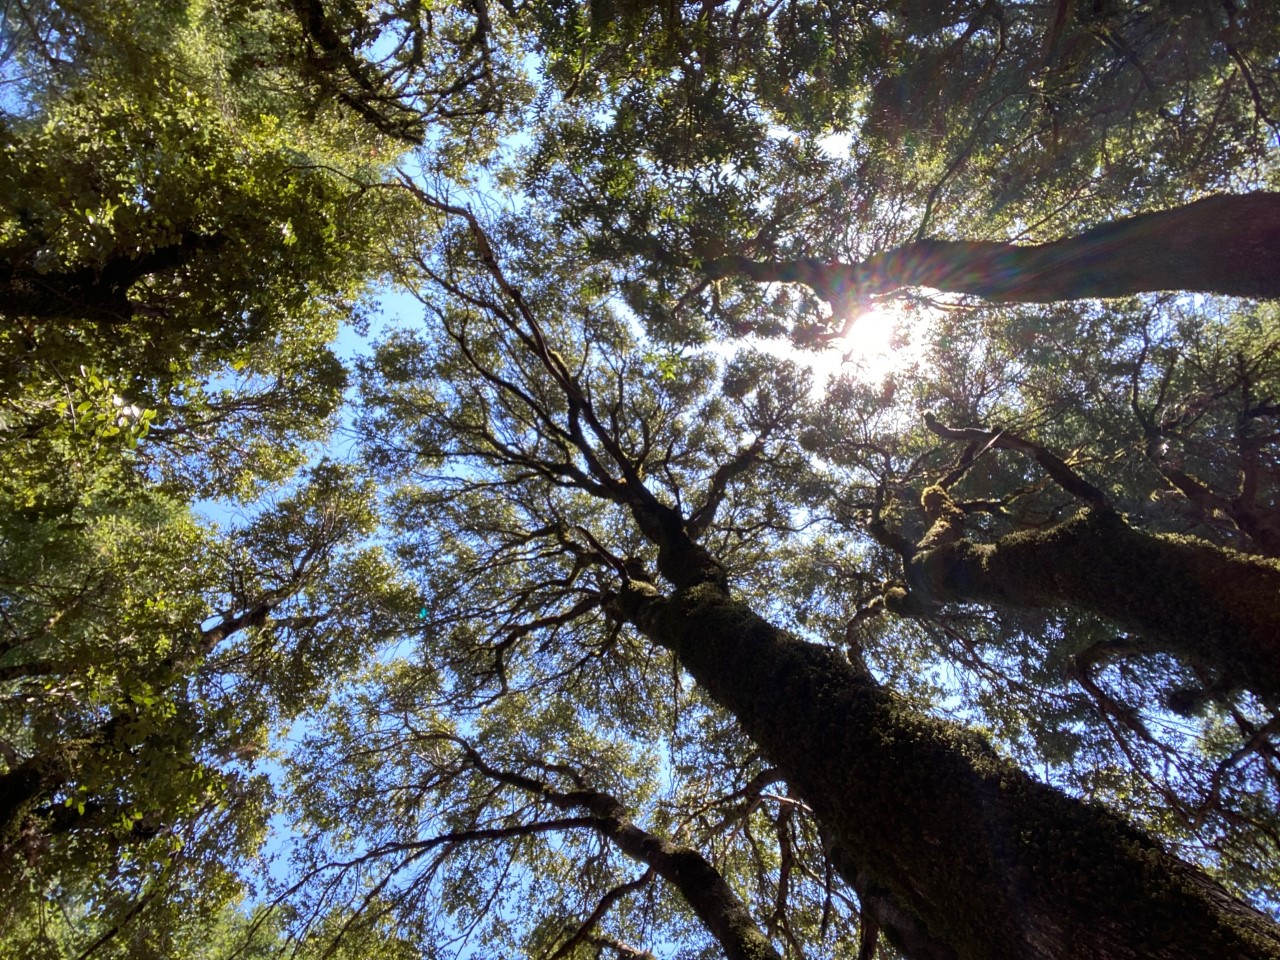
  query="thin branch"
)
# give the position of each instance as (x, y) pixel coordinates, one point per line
(701, 885)
(603, 907)
(1054, 465)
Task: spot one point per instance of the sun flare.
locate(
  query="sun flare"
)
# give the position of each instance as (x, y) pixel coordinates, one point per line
(885, 338)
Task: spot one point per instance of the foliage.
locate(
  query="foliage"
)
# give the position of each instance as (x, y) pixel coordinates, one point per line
(180, 242)
(426, 669)
(146, 656)
(197, 239)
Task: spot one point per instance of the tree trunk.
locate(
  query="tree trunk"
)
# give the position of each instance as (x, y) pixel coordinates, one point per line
(33, 783)
(97, 294)
(958, 854)
(1210, 605)
(23, 788)
(1227, 245)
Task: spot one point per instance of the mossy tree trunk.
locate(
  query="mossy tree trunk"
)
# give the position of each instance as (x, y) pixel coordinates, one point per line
(1210, 605)
(956, 854)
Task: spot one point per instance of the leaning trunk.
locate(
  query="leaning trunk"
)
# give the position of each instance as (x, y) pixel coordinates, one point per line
(1209, 605)
(955, 853)
(1225, 244)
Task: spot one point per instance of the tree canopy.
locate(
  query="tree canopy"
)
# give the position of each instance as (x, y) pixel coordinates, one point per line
(450, 507)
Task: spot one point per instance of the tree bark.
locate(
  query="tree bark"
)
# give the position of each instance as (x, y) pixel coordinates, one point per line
(958, 853)
(1227, 244)
(1210, 605)
(95, 294)
(31, 784)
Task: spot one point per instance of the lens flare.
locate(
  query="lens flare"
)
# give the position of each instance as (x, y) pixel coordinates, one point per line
(885, 338)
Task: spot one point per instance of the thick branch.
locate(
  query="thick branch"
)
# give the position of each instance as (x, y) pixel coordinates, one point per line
(1208, 604)
(1227, 245)
(1053, 464)
(100, 294)
(21, 789)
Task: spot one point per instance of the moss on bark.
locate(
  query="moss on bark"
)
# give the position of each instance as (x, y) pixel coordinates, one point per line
(977, 860)
(1208, 604)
